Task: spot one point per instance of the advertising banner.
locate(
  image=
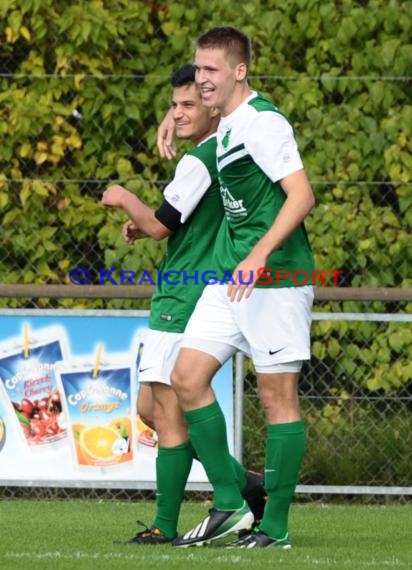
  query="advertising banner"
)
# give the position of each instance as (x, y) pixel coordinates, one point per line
(68, 388)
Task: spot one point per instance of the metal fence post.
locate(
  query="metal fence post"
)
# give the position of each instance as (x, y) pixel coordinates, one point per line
(238, 406)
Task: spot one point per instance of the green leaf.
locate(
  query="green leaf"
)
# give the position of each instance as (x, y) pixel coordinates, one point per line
(333, 347)
(4, 199)
(319, 350)
(124, 168)
(396, 341)
(15, 20)
(25, 194)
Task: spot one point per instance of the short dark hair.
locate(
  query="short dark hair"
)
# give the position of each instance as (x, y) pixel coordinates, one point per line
(233, 41)
(185, 75)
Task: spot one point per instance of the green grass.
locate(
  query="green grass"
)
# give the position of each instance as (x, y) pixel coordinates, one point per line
(78, 535)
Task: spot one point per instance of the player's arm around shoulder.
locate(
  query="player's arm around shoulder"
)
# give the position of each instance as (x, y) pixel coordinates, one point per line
(165, 133)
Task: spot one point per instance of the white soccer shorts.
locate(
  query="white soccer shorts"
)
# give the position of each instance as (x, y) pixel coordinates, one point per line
(160, 350)
(272, 326)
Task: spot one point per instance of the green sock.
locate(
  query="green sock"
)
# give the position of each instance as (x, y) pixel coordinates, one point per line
(207, 432)
(240, 471)
(285, 447)
(172, 470)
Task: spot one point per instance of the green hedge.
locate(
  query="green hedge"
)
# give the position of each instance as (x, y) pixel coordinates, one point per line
(84, 84)
(111, 62)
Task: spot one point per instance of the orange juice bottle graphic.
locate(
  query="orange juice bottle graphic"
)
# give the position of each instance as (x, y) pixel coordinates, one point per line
(98, 413)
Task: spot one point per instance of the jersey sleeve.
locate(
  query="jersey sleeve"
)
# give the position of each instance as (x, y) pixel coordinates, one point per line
(272, 145)
(190, 183)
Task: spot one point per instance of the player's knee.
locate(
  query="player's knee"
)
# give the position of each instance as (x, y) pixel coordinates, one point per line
(183, 386)
(282, 408)
(177, 381)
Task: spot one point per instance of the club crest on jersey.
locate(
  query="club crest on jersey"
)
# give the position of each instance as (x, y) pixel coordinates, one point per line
(225, 140)
(232, 207)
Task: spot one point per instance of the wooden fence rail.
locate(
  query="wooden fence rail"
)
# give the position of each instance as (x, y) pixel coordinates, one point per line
(386, 294)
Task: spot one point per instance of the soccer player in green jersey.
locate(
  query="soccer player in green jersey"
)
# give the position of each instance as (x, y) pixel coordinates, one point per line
(190, 215)
(265, 313)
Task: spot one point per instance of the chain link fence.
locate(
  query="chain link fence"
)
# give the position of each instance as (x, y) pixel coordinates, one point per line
(357, 436)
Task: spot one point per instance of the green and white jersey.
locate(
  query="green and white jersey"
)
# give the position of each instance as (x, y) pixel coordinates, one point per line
(194, 194)
(256, 148)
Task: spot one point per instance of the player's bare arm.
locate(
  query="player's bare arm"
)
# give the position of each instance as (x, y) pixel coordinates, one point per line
(141, 215)
(299, 202)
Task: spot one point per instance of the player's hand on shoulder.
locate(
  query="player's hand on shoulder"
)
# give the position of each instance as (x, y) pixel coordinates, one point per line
(165, 137)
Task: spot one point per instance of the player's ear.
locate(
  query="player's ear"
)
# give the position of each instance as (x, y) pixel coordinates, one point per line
(241, 71)
(214, 112)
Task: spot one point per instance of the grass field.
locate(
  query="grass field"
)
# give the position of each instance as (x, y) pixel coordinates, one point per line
(78, 535)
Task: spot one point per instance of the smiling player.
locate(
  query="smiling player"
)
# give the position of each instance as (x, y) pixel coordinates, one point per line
(266, 196)
(190, 214)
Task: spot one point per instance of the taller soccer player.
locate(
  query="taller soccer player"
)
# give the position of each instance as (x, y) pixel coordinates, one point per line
(266, 196)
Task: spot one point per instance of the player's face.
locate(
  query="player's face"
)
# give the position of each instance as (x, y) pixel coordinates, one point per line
(217, 78)
(192, 119)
